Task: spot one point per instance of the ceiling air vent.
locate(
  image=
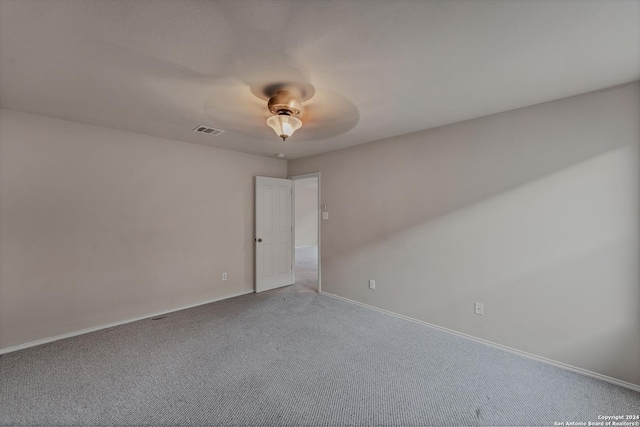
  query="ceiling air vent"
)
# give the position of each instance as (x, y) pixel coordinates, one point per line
(208, 130)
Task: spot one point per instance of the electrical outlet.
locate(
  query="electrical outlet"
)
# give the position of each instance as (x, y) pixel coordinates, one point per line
(224, 276)
(479, 308)
(372, 284)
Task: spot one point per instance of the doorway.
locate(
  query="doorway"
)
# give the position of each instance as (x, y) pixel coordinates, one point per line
(306, 210)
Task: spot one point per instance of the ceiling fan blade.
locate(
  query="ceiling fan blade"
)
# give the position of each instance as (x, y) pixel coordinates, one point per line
(230, 105)
(326, 115)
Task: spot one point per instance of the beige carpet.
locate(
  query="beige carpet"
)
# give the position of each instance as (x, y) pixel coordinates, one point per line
(290, 357)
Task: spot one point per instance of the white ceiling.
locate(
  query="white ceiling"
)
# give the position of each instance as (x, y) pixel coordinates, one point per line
(385, 68)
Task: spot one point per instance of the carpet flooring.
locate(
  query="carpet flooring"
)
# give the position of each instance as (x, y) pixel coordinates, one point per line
(306, 267)
(291, 357)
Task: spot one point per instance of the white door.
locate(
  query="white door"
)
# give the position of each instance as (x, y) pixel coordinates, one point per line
(274, 248)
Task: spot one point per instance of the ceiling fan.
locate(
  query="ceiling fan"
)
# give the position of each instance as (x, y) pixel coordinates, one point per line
(286, 110)
(286, 106)
(285, 103)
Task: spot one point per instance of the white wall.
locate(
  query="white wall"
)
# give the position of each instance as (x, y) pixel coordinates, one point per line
(533, 212)
(99, 225)
(306, 212)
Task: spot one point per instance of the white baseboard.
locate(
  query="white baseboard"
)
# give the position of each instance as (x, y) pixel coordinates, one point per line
(111, 325)
(621, 383)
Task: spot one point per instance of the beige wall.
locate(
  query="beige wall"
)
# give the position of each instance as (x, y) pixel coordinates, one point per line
(533, 212)
(306, 211)
(99, 225)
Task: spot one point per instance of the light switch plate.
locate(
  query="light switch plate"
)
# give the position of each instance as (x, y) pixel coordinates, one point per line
(325, 215)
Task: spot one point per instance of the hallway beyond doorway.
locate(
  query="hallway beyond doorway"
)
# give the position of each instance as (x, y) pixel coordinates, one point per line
(306, 267)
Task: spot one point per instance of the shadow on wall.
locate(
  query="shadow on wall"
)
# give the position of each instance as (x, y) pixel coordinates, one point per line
(403, 182)
(533, 212)
(554, 261)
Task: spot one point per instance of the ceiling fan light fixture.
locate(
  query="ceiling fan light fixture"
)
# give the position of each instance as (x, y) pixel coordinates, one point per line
(287, 109)
(284, 125)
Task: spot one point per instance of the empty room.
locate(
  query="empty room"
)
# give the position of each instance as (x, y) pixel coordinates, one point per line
(320, 213)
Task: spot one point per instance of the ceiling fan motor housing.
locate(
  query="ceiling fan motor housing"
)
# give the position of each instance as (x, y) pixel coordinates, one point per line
(284, 103)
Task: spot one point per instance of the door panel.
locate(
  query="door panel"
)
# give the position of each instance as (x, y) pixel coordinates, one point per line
(274, 254)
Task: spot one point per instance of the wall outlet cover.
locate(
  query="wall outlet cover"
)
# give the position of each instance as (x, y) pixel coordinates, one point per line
(479, 308)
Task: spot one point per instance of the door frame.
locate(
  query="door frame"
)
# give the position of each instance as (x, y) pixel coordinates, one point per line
(293, 221)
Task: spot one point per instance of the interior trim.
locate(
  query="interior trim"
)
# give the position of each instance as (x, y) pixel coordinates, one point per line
(111, 325)
(621, 383)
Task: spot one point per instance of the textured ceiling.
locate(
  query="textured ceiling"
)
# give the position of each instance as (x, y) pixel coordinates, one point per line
(380, 68)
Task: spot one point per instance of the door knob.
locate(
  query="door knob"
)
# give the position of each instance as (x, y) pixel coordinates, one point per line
(259, 240)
